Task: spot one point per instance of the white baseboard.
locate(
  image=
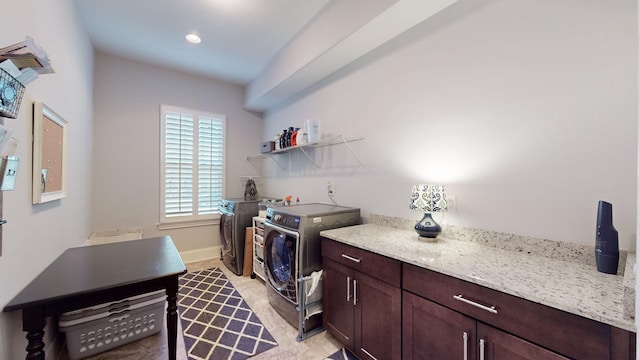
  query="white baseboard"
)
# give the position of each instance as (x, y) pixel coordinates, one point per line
(208, 253)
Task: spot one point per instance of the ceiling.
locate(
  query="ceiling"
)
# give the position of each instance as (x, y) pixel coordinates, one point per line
(274, 48)
(239, 37)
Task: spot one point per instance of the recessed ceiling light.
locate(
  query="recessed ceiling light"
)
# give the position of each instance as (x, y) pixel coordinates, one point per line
(193, 38)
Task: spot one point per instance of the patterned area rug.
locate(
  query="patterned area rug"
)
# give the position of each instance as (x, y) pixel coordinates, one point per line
(342, 354)
(216, 321)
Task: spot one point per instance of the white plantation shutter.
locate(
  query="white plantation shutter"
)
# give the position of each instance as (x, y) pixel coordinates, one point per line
(192, 164)
(210, 164)
(178, 174)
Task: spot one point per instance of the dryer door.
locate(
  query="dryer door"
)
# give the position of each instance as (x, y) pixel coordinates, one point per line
(280, 253)
(226, 233)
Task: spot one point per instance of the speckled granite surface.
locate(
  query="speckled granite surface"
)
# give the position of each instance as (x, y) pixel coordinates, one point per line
(526, 244)
(629, 283)
(571, 286)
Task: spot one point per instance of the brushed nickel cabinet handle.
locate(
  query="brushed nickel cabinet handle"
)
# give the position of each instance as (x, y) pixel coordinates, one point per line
(491, 309)
(482, 344)
(355, 294)
(465, 340)
(350, 258)
(368, 354)
(348, 288)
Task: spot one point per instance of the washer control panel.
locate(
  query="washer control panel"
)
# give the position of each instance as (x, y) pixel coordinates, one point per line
(285, 220)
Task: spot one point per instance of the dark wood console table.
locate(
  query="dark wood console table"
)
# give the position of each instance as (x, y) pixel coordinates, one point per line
(92, 275)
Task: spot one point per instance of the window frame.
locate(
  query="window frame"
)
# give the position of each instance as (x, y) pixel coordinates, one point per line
(173, 222)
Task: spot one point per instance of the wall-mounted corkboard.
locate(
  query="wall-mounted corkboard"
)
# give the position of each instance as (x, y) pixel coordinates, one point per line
(52, 140)
(49, 154)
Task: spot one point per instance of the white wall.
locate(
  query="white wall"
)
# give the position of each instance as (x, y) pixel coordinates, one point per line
(36, 234)
(524, 110)
(127, 101)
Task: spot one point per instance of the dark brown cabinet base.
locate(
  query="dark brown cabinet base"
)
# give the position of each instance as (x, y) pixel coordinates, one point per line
(377, 319)
(360, 310)
(338, 310)
(560, 332)
(433, 332)
(381, 308)
(498, 345)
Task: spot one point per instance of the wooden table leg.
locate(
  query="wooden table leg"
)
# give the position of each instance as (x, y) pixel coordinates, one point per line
(33, 323)
(172, 316)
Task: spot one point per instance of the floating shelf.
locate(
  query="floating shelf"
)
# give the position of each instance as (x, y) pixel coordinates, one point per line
(336, 140)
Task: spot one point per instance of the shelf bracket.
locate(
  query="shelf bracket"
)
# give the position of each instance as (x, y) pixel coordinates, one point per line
(308, 157)
(272, 157)
(283, 168)
(342, 140)
(351, 151)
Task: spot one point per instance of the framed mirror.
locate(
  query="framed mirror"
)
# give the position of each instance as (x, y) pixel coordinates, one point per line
(49, 154)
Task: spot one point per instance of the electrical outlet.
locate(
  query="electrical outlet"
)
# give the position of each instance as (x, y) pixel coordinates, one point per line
(451, 203)
(330, 188)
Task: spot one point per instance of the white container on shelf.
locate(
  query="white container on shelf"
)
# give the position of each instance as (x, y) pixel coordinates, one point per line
(313, 130)
(303, 137)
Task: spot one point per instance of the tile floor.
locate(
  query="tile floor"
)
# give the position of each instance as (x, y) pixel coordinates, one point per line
(253, 291)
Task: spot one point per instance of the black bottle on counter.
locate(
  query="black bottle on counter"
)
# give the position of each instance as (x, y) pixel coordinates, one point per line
(607, 252)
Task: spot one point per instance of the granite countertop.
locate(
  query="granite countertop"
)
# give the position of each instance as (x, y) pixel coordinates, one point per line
(572, 287)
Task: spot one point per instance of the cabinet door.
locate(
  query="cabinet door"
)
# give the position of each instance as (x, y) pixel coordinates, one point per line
(377, 319)
(498, 345)
(575, 336)
(433, 332)
(337, 302)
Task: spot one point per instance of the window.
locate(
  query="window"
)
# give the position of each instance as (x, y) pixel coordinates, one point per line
(192, 166)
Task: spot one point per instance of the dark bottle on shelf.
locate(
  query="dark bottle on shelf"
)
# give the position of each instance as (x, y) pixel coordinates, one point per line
(289, 133)
(283, 139)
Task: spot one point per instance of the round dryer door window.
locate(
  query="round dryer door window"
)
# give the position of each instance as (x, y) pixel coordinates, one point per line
(280, 252)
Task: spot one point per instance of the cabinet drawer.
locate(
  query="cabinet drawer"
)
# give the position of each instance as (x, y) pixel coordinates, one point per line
(565, 333)
(377, 266)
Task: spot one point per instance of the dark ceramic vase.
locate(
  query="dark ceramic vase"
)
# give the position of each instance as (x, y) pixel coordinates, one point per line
(427, 227)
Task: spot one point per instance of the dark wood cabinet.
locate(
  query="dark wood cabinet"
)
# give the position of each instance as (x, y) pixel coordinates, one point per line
(338, 309)
(510, 327)
(433, 332)
(377, 318)
(360, 309)
(381, 308)
(495, 344)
